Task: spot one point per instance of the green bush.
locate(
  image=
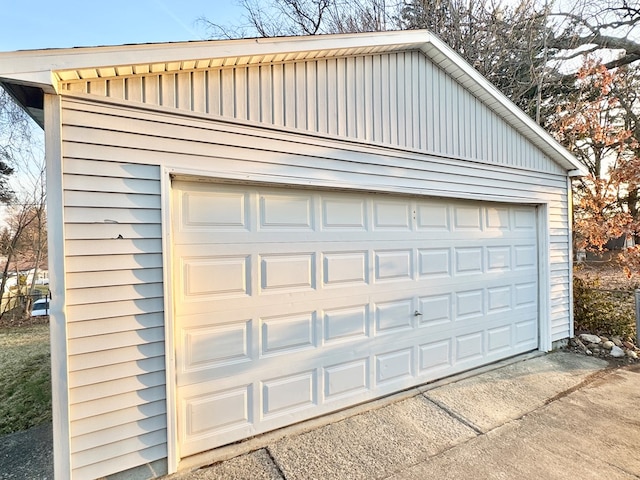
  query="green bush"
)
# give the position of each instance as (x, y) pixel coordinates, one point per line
(603, 312)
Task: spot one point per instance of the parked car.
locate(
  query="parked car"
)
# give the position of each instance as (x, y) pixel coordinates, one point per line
(40, 307)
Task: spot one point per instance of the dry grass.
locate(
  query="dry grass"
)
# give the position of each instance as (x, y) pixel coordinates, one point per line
(25, 377)
(608, 275)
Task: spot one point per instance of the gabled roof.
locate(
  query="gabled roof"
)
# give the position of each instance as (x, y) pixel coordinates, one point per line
(30, 73)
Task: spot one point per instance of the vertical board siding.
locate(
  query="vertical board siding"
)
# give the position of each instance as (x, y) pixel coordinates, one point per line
(399, 99)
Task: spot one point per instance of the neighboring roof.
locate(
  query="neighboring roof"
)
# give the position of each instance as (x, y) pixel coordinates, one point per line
(27, 74)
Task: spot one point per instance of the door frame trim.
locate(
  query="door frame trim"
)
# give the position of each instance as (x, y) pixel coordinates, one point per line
(544, 278)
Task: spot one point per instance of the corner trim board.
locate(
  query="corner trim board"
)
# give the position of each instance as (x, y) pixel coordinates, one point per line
(57, 273)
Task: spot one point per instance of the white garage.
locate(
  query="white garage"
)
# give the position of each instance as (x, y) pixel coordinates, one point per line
(247, 234)
(293, 303)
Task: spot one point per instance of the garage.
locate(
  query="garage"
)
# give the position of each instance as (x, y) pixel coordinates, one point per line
(294, 303)
(246, 234)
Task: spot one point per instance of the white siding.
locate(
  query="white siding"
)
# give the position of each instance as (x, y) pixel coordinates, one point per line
(112, 162)
(399, 99)
(115, 319)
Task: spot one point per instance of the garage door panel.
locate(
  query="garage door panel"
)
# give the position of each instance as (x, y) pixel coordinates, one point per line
(220, 210)
(394, 366)
(433, 217)
(216, 275)
(500, 338)
(295, 341)
(525, 256)
(294, 303)
(284, 395)
(346, 267)
(286, 211)
(211, 345)
(393, 316)
(289, 272)
(467, 218)
(483, 294)
(524, 219)
(435, 355)
(344, 213)
(526, 333)
(349, 323)
(346, 378)
(266, 236)
(392, 215)
(284, 334)
(499, 258)
(217, 411)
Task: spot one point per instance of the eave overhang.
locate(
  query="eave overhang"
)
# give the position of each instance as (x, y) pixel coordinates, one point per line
(27, 75)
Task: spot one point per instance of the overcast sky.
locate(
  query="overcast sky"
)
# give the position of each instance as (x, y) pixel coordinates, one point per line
(36, 24)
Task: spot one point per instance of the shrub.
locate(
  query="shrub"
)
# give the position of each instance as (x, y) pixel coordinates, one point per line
(603, 312)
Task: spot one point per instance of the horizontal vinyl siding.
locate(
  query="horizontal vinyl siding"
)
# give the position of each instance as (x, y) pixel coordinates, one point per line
(192, 140)
(560, 266)
(115, 318)
(399, 99)
(115, 305)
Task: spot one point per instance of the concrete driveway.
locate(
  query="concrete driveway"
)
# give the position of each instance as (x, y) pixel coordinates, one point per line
(554, 416)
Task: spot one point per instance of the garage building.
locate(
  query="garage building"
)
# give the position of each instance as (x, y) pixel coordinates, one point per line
(247, 234)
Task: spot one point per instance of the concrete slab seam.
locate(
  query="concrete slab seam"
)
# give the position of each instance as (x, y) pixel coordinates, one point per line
(587, 381)
(454, 415)
(275, 463)
(429, 457)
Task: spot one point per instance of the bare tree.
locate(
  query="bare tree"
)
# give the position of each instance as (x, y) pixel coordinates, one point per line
(15, 140)
(21, 216)
(307, 17)
(34, 237)
(522, 47)
(594, 26)
(504, 42)
(23, 239)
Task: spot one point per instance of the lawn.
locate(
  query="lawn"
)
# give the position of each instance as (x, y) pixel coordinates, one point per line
(25, 377)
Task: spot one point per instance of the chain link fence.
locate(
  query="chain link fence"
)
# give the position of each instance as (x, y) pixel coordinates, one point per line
(18, 302)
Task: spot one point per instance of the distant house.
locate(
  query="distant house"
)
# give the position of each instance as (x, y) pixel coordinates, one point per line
(246, 234)
(41, 276)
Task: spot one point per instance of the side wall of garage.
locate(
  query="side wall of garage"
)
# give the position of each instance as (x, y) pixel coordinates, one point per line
(114, 158)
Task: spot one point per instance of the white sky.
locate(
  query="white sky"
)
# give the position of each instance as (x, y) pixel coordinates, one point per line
(36, 24)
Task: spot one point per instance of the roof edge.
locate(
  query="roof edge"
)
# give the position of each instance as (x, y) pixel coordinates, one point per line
(38, 65)
(41, 68)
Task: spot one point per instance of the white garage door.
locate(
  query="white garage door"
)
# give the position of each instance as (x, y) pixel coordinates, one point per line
(293, 303)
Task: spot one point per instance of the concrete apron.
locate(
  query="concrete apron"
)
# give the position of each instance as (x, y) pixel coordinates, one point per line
(554, 416)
